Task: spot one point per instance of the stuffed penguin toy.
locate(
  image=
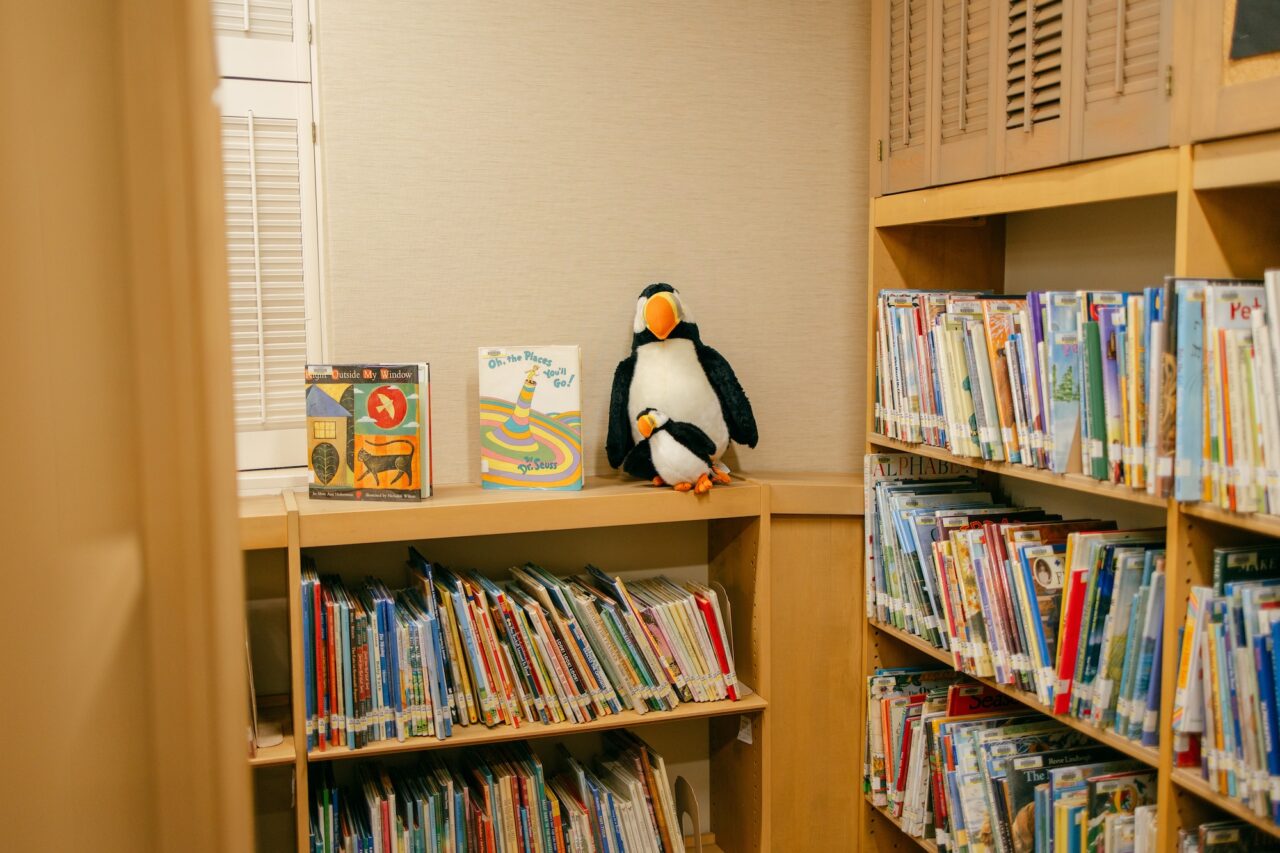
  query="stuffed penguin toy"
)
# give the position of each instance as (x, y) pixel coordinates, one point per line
(671, 453)
(670, 369)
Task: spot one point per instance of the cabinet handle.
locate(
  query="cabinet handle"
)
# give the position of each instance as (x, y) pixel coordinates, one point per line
(906, 73)
(1028, 60)
(1120, 12)
(964, 58)
(246, 16)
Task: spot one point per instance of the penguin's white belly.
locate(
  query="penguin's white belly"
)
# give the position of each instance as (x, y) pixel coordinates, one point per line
(668, 377)
(674, 462)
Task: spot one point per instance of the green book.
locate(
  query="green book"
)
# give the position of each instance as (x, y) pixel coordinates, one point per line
(1096, 410)
(1244, 563)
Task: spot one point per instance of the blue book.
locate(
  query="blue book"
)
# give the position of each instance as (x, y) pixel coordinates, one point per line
(344, 644)
(1133, 641)
(1189, 444)
(309, 656)
(1062, 338)
(1151, 717)
(1147, 654)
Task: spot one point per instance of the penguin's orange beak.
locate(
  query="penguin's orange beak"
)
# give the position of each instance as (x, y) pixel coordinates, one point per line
(660, 315)
(645, 424)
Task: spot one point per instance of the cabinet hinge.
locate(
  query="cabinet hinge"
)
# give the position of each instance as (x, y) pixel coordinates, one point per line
(308, 33)
(1168, 80)
(314, 135)
(880, 150)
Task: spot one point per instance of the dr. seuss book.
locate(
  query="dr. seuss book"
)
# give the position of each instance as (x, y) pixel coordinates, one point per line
(530, 418)
(369, 431)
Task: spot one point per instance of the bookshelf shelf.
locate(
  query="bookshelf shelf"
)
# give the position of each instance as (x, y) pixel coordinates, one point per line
(479, 735)
(1142, 753)
(1187, 779)
(274, 756)
(1131, 176)
(468, 510)
(1075, 482)
(1268, 525)
(924, 843)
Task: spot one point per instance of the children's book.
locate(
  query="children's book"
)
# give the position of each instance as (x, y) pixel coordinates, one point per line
(369, 431)
(530, 418)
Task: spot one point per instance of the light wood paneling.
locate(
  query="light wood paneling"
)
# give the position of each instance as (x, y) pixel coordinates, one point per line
(123, 534)
(815, 619)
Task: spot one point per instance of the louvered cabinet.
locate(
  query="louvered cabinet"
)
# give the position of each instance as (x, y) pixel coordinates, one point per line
(962, 71)
(263, 39)
(1033, 96)
(1121, 77)
(906, 92)
(1230, 96)
(272, 259)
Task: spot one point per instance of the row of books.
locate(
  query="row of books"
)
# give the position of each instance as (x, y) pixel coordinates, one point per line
(974, 771)
(499, 799)
(1068, 609)
(1174, 390)
(1226, 715)
(456, 648)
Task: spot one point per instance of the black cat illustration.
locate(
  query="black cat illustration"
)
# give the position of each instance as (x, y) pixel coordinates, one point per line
(375, 464)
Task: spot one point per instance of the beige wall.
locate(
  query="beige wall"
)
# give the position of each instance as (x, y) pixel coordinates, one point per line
(514, 173)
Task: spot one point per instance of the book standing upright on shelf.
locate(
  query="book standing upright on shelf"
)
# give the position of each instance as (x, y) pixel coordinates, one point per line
(530, 418)
(369, 431)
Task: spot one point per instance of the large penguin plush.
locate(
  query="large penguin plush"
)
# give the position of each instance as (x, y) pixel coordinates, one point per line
(672, 370)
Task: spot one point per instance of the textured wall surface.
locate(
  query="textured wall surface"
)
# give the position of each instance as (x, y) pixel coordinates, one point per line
(499, 173)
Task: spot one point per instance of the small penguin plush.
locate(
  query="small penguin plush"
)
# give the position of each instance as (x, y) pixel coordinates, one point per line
(671, 453)
(670, 369)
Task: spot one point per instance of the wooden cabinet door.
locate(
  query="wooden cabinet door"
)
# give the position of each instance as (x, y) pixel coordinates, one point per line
(1229, 96)
(1120, 77)
(1034, 44)
(963, 77)
(905, 93)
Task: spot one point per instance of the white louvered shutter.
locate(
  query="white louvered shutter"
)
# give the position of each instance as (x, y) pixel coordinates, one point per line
(1122, 60)
(964, 149)
(907, 97)
(1037, 47)
(262, 39)
(269, 182)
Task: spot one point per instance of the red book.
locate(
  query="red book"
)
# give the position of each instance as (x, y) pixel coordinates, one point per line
(1069, 639)
(722, 657)
(321, 675)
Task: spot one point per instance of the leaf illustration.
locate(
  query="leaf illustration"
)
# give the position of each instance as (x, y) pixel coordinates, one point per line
(325, 462)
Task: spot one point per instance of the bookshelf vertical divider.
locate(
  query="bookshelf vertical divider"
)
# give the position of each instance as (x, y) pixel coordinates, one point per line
(952, 238)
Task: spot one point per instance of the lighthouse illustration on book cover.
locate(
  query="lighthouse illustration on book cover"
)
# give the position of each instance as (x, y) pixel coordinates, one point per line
(530, 418)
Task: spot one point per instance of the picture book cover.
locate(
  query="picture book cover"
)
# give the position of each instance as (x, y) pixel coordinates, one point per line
(530, 418)
(369, 431)
(998, 320)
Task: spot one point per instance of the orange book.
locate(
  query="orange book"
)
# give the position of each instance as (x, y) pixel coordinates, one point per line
(998, 323)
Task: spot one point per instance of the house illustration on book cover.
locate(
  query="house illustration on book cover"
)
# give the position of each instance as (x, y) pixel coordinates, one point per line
(530, 418)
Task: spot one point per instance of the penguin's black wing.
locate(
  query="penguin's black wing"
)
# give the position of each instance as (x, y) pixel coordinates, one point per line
(734, 404)
(639, 462)
(619, 442)
(692, 437)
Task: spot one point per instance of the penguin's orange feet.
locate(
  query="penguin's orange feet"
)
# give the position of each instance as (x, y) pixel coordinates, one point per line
(682, 487)
(657, 481)
(703, 485)
(721, 477)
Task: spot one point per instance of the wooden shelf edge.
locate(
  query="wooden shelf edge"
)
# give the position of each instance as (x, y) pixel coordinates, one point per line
(1189, 780)
(263, 522)
(479, 735)
(281, 754)
(923, 842)
(1241, 161)
(817, 493)
(468, 510)
(1075, 482)
(1265, 524)
(1145, 754)
(1109, 179)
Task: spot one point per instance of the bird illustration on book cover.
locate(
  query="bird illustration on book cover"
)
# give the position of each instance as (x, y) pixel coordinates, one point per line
(530, 418)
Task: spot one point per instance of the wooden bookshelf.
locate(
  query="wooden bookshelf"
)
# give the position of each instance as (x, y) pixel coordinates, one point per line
(1074, 482)
(888, 816)
(1145, 754)
(479, 735)
(1227, 224)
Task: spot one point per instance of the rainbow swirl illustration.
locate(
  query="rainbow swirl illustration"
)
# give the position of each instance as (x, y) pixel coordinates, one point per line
(522, 448)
